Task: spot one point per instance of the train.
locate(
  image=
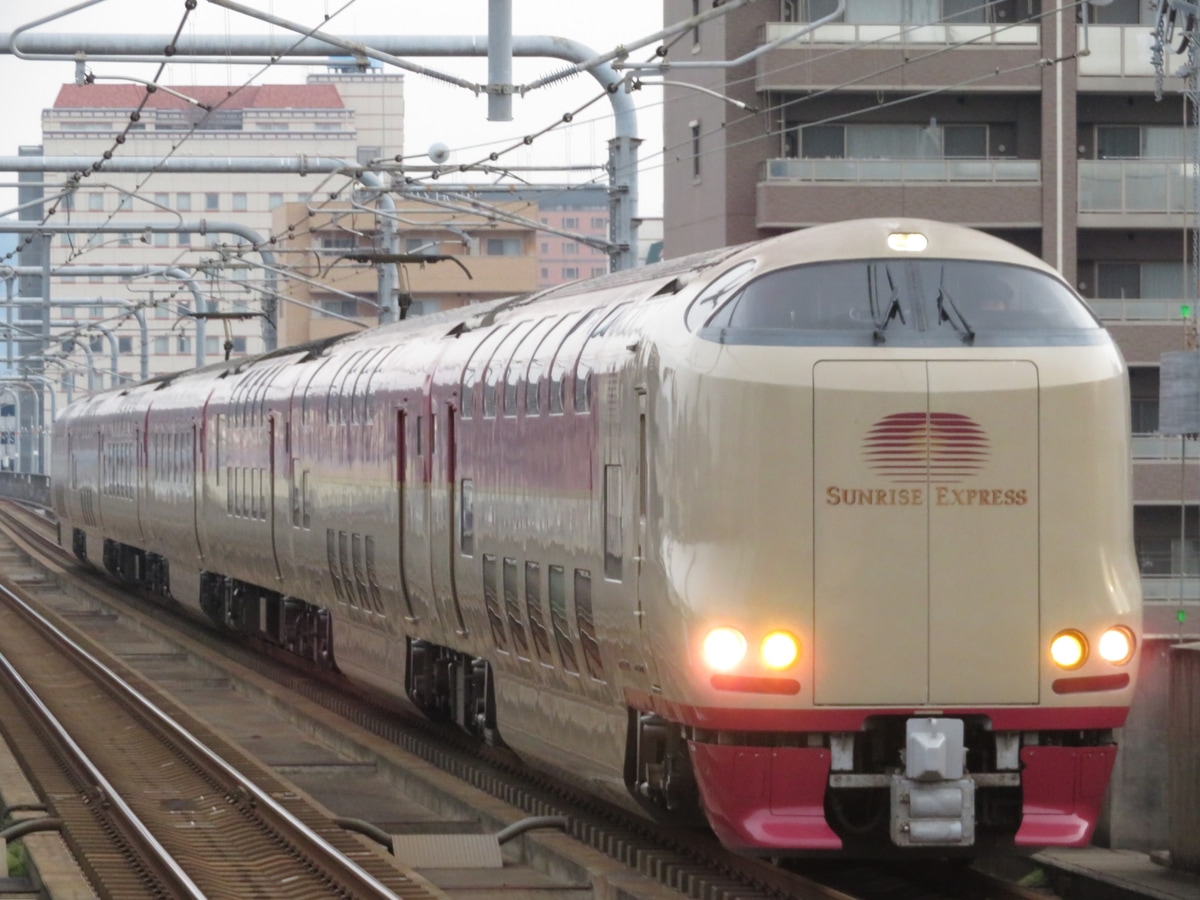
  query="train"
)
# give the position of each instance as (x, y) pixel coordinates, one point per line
(824, 541)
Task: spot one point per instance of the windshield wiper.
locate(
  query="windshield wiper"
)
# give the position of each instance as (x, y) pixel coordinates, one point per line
(943, 297)
(893, 307)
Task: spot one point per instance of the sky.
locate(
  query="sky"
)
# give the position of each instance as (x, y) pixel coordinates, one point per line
(434, 111)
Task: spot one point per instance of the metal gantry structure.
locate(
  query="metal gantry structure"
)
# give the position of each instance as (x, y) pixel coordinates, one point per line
(296, 43)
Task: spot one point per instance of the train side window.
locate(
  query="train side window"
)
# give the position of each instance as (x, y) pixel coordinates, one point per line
(466, 526)
(614, 531)
(519, 362)
(360, 579)
(229, 493)
(497, 365)
(533, 608)
(512, 608)
(335, 569)
(344, 564)
(564, 360)
(558, 619)
(715, 295)
(538, 362)
(491, 602)
(306, 500)
(420, 440)
(474, 368)
(583, 370)
(583, 379)
(372, 575)
(587, 624)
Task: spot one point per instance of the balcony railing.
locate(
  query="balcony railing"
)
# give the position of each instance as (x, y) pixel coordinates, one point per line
(1157, 446)
(931, 170)
(1134, 186)
(1166, 588)
(900, 33)
(1116, 50)
(1138, 309)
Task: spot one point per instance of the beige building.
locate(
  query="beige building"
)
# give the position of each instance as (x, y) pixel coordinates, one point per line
(344, 115)
(492, 259)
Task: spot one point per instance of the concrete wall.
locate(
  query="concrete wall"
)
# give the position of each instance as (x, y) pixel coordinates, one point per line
(1136, 818)
(1184, 757)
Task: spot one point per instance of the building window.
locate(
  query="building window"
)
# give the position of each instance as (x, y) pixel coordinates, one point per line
(124, 345)
(893, 142)
(365, 154)
(162, 345)
(570, 247)
(162, 201)
(545, 247)
(598, 271)
(694, 125)
(162, 238)
(599, 224)
(240, 203)
(183, 202)
(1136, 281)
(570, 222)
(184, 239)
(96, 202)
(274, 200)
(239, 345)
(504, 247)
(570, 272)
(212, 345)
(183, 344)
(545, 272)
(1141, 142)
(212, 201)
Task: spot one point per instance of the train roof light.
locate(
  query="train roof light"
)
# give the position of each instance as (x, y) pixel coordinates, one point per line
(779, 650)
(1116, 645)
(907, 242)
(1068, 649)
(724, 648)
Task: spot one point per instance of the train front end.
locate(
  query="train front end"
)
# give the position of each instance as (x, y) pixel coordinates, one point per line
(899, 531)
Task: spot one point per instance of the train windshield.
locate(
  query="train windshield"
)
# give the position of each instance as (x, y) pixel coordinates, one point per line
(904, 302)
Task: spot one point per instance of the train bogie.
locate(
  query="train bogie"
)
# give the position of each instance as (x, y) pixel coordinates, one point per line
(799, 536)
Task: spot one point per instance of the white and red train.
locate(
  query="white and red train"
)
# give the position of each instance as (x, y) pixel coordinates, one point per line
(827, 537)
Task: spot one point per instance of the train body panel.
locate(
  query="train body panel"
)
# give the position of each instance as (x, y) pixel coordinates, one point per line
(574, 520)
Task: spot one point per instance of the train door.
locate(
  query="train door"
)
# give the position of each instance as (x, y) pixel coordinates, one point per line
(403, 465)
(275, 446)
(443, 452)
(414, 508)
(640, 479)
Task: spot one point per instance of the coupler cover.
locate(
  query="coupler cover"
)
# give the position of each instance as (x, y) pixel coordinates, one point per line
(933, 804)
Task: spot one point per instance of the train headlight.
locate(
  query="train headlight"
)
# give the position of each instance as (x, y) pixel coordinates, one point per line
(779, 650)
(1068, 649)
(1116, 645)
(724, 648)
(907, 242)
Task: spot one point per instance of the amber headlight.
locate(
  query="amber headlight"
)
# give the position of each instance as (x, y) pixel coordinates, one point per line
(724, 648)
(1068, 649)
(779, 650)
(1117, 645)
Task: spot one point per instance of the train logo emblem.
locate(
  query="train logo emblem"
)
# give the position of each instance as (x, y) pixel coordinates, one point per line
(926, 448)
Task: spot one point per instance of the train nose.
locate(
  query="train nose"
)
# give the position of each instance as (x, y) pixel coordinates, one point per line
(913, 461)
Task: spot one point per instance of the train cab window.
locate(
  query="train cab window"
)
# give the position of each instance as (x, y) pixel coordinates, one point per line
(558, 619)
(538, 363)
(922, 302)
(564, 361)
(512, 608)
(533, 608)
(466, 523)
(712, 297)
(491, 602)
(586, 621)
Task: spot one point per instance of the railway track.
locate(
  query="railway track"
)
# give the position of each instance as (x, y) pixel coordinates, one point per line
(690, 864)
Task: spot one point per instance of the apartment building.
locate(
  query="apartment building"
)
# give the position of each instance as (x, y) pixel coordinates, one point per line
(987, 114)
(105, 315)
(1033, 121)
(491, 258)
